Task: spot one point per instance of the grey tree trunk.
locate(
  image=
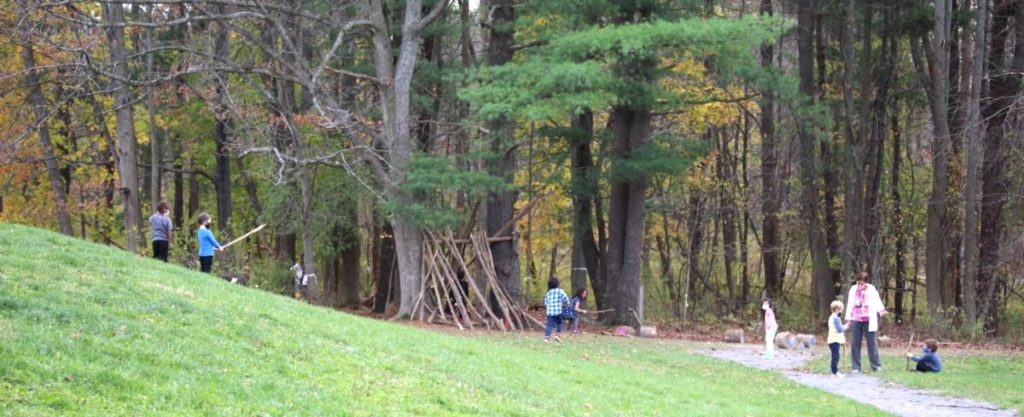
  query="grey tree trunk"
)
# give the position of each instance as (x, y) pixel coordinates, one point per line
(127, 148)
(970, 249)
(394, 103)
(154, 137)
(312, 291)
(938, 94)
(41, 125)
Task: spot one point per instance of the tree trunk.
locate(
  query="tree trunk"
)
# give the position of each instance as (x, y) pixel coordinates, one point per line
(41, 125)
(727, 217)
(312, 290)
(970, 232)
(1003, 90)
(222, 132)
(584, 193)
(501, 204)
(349, 273)
(384, 267)
(771, 180)
(127, 153)
(394, 101)
(937, 89)
(631, 130)
(810, 196)
(154, 137)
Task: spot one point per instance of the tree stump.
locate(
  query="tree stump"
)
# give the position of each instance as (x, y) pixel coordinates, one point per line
(648, 331)
(624, 331)
(786, 340)
(807, 340)
(884, 342)
(734, 336)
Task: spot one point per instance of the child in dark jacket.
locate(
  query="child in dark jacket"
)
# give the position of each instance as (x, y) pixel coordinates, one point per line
(929, 361)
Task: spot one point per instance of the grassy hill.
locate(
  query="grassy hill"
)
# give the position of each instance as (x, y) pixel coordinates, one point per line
(86, 330)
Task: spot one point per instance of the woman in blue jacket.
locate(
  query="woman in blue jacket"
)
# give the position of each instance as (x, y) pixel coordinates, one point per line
(207, 243)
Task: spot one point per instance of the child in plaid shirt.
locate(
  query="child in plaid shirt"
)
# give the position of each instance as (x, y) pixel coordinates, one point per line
(554, 303)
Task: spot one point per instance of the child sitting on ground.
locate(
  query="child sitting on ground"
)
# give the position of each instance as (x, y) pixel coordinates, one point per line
(836, 338)
(555, 302)
(929, 362)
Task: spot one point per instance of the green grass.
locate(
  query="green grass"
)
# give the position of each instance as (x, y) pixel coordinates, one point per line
(86, 330)
(989, 376)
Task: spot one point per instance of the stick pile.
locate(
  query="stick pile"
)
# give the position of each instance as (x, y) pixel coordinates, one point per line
(452, 293)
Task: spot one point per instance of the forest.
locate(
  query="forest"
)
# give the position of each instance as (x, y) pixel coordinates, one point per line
(440, 160)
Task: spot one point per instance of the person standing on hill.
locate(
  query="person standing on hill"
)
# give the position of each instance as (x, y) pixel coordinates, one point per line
(207, 243)
(864, 308)
(161, 225)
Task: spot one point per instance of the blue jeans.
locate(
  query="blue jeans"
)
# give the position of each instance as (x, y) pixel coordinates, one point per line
(834, 347)
(554, 322)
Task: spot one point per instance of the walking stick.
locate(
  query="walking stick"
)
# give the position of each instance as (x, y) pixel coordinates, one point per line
(258, 228)
(909, 345)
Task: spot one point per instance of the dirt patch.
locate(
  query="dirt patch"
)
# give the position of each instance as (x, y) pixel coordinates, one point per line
(887, 396)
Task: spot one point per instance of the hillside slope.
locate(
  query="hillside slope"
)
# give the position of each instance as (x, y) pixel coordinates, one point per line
(90, 330)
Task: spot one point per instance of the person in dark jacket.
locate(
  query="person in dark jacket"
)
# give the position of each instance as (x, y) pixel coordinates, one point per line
(929, 361)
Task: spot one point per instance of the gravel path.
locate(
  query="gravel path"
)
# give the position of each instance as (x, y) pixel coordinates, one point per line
(887, 396)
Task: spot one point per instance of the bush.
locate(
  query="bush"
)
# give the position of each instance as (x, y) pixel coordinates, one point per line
(272, 276)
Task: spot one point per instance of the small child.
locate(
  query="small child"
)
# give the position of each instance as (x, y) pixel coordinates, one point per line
(770, 327)
(554, 303)
(929, 362)
(572, 313)
(207, 243)
(835, 335)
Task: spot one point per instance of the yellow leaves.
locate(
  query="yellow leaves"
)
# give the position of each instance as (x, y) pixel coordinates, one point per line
(704, 100)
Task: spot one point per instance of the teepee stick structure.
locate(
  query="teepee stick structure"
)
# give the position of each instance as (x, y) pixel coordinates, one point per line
(453, 292)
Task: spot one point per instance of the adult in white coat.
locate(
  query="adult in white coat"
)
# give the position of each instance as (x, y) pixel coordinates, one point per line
(864, 308)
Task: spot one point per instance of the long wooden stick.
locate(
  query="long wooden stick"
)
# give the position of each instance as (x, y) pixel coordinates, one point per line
(258, 228)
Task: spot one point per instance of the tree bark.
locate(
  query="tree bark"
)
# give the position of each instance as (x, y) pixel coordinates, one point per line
(384, 267)
(349, 272)
(32, 84)
(127, 152)
(222, 131)
(938, 100)
(771, 204)
(1003, 91)
(810, 196)
(970, 232)
(394, 101)
(154, 137)
(631, 130)
(584, 192)
(501, 204)
(312, 290)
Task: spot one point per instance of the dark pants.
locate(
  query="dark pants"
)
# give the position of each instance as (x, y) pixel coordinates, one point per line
(206, 263)
(160, 249)
(860, 331)
(554, 322)
(574, 324)
(834, 347)
(923, 367)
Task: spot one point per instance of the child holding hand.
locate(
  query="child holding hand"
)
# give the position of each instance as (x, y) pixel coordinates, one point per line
(836, 338)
